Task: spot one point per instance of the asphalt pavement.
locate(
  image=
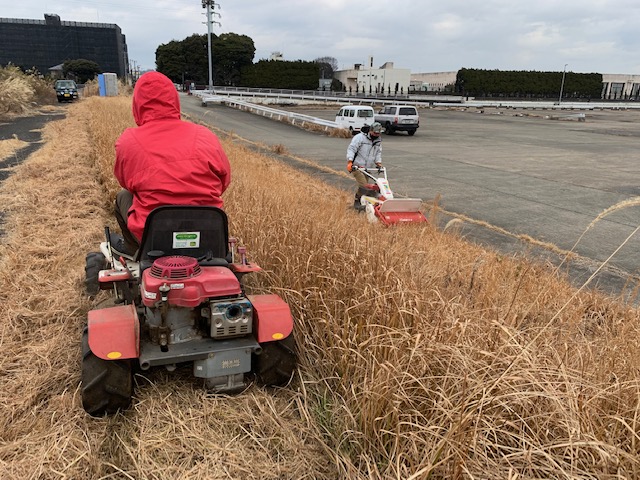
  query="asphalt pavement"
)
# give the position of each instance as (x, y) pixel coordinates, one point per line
(29, 130)
(514, 173)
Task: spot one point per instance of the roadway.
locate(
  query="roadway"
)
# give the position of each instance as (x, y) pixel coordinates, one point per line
(522, 172)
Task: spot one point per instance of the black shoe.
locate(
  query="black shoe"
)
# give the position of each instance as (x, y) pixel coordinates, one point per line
(120, 248)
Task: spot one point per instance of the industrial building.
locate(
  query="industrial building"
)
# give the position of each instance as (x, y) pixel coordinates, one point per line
(367, 79)
(387, 79)
(46, 44)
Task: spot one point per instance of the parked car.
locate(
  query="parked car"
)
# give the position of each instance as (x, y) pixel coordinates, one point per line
(399, 118)
(354, 117)
(66, 90)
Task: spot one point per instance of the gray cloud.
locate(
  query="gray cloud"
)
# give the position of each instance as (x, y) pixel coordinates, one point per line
(424, 36)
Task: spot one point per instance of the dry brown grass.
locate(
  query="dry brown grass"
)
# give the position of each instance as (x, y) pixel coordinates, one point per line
(421, 356)
(22, 93)
(10, 146)
(280, 149)
(340, 133)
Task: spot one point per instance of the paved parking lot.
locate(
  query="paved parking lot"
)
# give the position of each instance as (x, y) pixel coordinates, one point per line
(525, 172)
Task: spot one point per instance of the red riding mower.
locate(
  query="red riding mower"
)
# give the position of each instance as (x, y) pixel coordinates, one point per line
(180, 300)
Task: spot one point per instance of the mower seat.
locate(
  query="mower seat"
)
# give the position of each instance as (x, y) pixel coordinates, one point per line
(188, 230)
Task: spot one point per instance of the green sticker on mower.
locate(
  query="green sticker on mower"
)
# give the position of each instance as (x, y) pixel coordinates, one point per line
(186, 239)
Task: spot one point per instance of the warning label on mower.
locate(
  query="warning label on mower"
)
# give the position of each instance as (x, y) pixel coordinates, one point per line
(186, 239)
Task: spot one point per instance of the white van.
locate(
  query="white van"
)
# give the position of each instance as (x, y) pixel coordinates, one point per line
(354, 117)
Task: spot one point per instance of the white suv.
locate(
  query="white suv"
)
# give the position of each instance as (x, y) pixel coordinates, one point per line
(399, 118)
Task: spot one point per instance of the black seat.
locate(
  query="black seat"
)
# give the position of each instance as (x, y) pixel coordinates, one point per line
(194, 231)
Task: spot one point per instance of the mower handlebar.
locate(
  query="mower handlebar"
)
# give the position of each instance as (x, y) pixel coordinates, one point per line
(380, 171)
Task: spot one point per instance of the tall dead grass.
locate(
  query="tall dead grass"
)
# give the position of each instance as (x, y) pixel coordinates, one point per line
(421, 356)
(10, 146)
(21, 92)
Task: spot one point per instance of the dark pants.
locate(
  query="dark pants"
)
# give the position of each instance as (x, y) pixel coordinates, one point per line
(124, 200)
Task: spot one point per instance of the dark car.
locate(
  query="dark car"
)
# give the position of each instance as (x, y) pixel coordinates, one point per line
(66, 90)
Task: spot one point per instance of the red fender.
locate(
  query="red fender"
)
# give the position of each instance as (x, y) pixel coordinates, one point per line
(114, 333)
(273, 318)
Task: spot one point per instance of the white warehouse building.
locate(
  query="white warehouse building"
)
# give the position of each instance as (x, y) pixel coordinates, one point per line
(367, 79)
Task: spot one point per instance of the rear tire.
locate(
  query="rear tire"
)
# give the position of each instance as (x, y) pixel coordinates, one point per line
(388, 129)
(107, 385)
(277, 362)
(94, 262)
(411, 133)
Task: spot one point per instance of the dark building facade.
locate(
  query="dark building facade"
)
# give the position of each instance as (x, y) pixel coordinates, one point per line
(43, 44)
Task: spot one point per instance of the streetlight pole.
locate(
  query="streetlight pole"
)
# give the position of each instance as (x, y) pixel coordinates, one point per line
(562, 84)
(210, 5)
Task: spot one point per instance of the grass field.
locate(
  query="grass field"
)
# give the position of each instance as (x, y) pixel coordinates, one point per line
(421, 355)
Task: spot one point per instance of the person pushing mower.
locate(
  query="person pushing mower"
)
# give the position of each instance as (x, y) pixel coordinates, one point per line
(364, 151)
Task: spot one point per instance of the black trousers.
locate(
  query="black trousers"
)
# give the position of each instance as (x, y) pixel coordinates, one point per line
(124, 200)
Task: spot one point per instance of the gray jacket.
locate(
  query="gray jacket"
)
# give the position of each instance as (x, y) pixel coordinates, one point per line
(365, 151)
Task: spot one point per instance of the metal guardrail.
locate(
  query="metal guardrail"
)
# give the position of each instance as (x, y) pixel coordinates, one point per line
(290, 117)
(544, 105)
(281, 97)
(338, 98)
(234, 98)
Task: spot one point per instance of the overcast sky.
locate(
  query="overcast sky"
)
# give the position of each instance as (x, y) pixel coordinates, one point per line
(422, 35)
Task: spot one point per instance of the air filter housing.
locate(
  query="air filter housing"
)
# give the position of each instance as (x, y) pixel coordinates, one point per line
(175, 267)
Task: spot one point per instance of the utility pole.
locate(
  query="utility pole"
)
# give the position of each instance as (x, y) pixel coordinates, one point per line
(562, 84)
(210, 5)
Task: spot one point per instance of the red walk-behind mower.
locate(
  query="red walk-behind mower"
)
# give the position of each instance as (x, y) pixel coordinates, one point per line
(180, 300)
(380, 205)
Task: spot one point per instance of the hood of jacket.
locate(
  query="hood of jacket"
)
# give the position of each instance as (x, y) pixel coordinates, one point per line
(155, 98)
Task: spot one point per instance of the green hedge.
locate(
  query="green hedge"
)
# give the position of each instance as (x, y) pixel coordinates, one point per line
(527, 84)
(297, 75)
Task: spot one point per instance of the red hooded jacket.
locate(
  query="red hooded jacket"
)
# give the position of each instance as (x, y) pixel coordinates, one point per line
(165, 160)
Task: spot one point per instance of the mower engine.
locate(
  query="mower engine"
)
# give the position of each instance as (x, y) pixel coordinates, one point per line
(185, 306)
(184, 301)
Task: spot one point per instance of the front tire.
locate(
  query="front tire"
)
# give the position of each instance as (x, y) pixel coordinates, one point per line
(94, 262)
(277, 362)
(371, 213)
(107, 385)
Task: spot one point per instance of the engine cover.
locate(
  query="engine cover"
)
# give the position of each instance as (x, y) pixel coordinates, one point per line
(189, 284)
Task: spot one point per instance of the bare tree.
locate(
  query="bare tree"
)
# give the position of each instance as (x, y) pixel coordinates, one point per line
(327, 65)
